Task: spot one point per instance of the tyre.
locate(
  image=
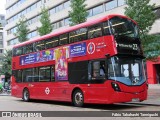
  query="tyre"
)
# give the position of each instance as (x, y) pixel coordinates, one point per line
(25, 95)
(78, 98)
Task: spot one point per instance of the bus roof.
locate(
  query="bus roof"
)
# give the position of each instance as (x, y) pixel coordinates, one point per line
(72, 28)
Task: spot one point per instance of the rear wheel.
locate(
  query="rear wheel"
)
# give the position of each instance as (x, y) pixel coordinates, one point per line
(78, 98)
(26, 95)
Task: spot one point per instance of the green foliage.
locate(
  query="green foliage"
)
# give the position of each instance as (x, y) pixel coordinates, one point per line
(78, 14)
(151, 46)
(45, 21)
(22, 30)
(142, 12)
(6, 64)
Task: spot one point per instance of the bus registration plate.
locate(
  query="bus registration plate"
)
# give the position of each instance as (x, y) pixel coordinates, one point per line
(135, 100)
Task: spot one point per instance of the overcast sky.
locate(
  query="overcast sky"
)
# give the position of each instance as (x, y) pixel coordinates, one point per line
(2, 6)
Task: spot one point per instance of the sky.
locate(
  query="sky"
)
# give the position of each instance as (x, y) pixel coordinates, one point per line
(2, 6)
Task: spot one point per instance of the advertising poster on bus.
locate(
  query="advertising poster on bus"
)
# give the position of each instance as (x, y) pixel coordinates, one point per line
(42, 56)
(61, 64)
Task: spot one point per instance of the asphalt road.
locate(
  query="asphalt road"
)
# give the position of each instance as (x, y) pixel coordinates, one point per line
(9, 103)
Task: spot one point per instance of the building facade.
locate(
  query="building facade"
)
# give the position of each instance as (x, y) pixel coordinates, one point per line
(2, 24)
(58, 10)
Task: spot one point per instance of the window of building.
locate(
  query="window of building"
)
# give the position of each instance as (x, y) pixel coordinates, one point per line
(110, 5)
(66, 21)
(2, 17)
(1, 50)
(1, 44)
(98, 10)
(60, 24)
(95, 31)
(52, 11)
(157, 12)
(90, 12)
(33, 6)
(59, 8)
(121, 2)
(45, 74)
(54, 26)
(67, 4)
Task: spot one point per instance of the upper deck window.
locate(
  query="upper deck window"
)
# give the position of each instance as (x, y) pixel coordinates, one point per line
(38, 46)
(63, 39)
(78, 35)
(106, 28)
(95, 31)
(53, 42)
(124, 27)
(28, 49)
(17, 51)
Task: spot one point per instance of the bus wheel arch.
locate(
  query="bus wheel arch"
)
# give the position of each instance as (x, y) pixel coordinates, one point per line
(26, 95)
(77, 97)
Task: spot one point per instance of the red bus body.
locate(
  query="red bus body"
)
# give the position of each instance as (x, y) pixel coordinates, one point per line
(92, 92)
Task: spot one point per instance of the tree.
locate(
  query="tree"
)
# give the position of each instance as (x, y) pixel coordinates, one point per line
(22, 30)
(45, 21)
(78, 14)
(142, 12)
(151, 46)
(6, 64)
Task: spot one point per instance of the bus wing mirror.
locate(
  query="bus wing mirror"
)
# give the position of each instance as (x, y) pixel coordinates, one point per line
(107, 55)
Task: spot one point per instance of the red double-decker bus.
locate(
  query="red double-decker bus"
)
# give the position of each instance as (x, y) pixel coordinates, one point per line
(99, 61)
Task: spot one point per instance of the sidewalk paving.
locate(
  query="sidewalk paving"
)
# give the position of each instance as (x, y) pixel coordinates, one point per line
(154, 86)
(153, 96)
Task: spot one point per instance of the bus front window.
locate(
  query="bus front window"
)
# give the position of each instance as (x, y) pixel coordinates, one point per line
(126, 70)
(124, 27)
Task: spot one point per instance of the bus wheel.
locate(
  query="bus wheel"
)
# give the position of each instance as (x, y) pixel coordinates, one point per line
(26, 95)
(78, 98)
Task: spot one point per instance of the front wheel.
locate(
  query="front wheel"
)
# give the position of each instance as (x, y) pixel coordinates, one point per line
(78, 98)
(25, 95)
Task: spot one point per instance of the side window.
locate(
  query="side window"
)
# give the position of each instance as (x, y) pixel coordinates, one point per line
(28, 49)
(35, 75)
(17, 51)
(106, 28)
(52, 73)
(63, 39)
(98, 69)
(53, 42)
(78, 35)
(38, 46)
(18, 76)
(28, 75)
(45, 74)
(78, 72)
(94, 31)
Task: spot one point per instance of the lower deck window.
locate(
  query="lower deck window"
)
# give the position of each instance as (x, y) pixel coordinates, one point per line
(39, 74)
(97, 70)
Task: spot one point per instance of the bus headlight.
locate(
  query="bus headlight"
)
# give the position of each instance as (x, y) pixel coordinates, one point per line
(115, 86)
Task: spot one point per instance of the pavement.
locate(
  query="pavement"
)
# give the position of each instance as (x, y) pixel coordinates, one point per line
(153, 95)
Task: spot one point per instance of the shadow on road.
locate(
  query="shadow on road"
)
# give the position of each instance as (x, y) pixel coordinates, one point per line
(91, 106)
